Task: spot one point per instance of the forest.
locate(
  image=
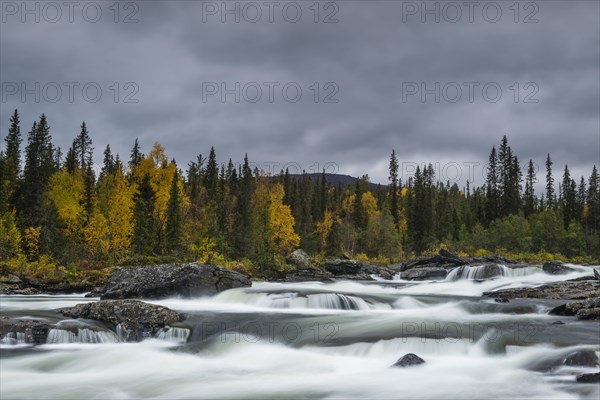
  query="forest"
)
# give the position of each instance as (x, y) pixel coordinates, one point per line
(61, 218)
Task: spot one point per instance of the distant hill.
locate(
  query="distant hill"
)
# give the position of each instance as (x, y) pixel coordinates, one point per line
(337, 180)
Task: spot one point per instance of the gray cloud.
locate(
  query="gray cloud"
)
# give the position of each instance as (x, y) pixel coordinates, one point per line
(370, 54)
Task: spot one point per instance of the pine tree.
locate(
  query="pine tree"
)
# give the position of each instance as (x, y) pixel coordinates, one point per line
(529, 200)
(549, 184)
(174, 225)
(108, 167)
(491, 193)
(82, 146)
(568, 195)
(212, 175)
(39, 166)
(136, 155)
(393, 188)
(144, 235)
(593, 200)
(12, 158)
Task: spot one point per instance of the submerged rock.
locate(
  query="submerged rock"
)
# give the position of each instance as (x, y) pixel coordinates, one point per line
(557, 290)
(425, 273)
(556, 268)
(582, 359)
(134, 318)
(589, 378)
(408, 360)
(588, 309)
(164, 280)
(23, 331)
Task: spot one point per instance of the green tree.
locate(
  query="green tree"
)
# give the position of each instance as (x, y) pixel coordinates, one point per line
(174, 225)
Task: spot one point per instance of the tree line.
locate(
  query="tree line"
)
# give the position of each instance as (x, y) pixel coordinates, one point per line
(58, 212)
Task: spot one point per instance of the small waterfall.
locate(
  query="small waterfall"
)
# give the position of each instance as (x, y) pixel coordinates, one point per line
(174, 334)
(13, 338)
(83, 335)
(330, 301)
(489, 271)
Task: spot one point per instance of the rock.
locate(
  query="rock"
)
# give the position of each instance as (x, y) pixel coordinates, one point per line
(588, 309)
(582, 359)
(299, 259)
(305, 275)
(343, 267)
(447, 254)
(557, 290)
(501, 300)
(164, 280)
(355, 270)
(10, 279)
(489, 271)
(408, 360)
(30, 331)
(136, 318)
(556, 268)
(557, 323)
(596, 275)
(426, 273)
(589, 378)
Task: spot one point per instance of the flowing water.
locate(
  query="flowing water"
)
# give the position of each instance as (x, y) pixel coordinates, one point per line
(314, 340)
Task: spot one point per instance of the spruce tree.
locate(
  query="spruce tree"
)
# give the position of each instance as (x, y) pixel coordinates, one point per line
(491, 193)
(393, 188)
(12, 158)
(174, 224)
(593, 200)
(108, 166)
(144, 234)
(136, 155)
(529, 197)
(550, 199)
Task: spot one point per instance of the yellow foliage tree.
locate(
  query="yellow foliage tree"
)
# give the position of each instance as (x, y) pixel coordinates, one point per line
(281, 221)
(323, 228)
(66, 193)
(115, 202)
(369, 203)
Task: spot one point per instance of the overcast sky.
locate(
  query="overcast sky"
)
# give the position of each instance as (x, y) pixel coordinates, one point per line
(374, 75)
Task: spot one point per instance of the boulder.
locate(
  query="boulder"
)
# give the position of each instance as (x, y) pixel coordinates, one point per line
(133, 317)
(29, 331)
(408, 360)
(489, 271)
(339, 266)
(305, 275)
(582, 359)
(589, 378)
(426, 273)
(500, 300)
(299, 259)
(596, 275)
(588, 309)
(556, 268)
(164, 280)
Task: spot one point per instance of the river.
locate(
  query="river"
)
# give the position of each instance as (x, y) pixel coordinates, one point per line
(316, 340)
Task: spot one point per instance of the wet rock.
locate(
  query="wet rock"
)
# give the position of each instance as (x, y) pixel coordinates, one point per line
(354, 270)
(589, 378)
(588, 309)
(408, 360)
(299, 259)
(306, 275)
(582, 359)
(425, 273)
(30, 331)
(556, 268)
(557, 323)
(501, 300)
(596, 275)
(557, 290)
(136, 318)
(164, 280)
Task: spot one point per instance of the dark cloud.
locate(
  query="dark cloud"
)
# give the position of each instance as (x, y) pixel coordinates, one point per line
(370, 55)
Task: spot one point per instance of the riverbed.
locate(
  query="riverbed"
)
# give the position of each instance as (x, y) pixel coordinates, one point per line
(316, 340)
